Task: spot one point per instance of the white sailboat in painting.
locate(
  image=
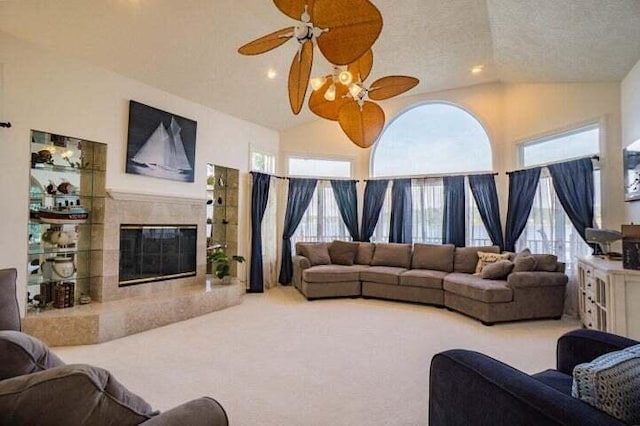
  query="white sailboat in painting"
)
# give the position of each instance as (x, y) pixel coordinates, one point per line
(163, 155)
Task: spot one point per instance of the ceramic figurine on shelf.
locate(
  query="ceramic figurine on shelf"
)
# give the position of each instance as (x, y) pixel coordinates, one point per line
(66, 188)
(51, 189)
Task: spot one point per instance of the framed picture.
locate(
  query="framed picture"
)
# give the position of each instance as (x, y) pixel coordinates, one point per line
(631, 156)
(160, 144)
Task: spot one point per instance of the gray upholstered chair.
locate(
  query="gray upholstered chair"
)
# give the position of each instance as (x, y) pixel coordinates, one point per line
(36, 387)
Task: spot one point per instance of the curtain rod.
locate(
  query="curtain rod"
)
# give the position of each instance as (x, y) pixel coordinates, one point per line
(435, 176)
(593, 157)
(306, 177)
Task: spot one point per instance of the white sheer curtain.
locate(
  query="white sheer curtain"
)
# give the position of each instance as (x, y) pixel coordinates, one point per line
(381, 232)
(270, 236)
(476, 232)
(428, 210)
(322, 220)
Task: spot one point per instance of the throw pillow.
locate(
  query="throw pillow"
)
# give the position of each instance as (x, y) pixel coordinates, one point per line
(546, 262)
(392, 254)
(611, 383)
(23, 354)
(497, 270)
(465, 259)
(343, 252)
(436, 257)
(485, 258)
(524, 264)
(317, 253)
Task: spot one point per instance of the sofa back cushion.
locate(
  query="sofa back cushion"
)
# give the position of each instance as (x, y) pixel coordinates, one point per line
(343, 252)
(611, 383)
(22, 354)
(9, 313)
(392, 254)
(317, 253)
(465, 259)
(365, 253)
(436, 257)
(546, 262)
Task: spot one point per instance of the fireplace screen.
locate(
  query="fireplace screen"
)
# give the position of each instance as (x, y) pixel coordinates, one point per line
(156, 252)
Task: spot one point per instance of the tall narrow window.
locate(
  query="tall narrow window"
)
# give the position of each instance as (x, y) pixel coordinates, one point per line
(263, 162)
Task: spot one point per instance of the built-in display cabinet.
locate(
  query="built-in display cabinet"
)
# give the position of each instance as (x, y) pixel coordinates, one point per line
(222, 210)
(66, 216)
(609, 296)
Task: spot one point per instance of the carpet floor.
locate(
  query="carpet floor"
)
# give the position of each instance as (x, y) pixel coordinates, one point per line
(277, 359)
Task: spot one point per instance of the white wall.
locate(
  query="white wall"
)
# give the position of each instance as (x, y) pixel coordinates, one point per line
(510, 114)
(630, 101)
(61, 95)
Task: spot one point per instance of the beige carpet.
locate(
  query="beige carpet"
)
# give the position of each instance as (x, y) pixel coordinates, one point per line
(277, 359)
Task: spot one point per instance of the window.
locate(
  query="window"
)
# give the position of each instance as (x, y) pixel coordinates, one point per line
(263, 162)
(322, 220)
(319, 167)
(432, 138)
(548, 228)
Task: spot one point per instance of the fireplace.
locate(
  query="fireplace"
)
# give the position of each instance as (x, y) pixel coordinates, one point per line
(151, 253)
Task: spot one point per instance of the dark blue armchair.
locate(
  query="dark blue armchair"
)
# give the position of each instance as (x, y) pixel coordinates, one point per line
(469, 388)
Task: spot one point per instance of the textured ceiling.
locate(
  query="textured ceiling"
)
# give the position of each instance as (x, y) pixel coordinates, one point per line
(188, 47)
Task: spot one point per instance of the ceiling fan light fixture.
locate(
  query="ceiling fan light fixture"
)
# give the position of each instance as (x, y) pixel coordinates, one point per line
(330, 94)
(355, 90)
(345, 77)
(318, 82)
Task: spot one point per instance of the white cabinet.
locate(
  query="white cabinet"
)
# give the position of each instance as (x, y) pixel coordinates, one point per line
(609, 296)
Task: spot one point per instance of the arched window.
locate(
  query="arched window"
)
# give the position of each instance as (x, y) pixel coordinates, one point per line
(432, 139)
(435, 138)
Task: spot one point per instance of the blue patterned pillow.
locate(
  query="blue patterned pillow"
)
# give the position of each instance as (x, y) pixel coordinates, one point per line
(611, 383)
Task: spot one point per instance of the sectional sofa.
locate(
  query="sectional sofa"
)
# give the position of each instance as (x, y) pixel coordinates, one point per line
(440, 275)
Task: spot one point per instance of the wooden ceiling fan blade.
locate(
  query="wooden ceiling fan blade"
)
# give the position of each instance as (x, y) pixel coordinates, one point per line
(299, 75)
(362, 125)
(388, 87)
(328, 109)
(267, 43)
(361, 68)
(353, 26)
(294, 8)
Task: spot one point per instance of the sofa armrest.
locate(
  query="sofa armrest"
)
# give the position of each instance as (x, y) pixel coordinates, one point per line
(469, 388)
(300, 263)
(536, 279)
(198, 412)
(579, 346)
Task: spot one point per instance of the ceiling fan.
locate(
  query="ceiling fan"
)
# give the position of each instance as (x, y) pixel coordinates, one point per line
(344, 30)
(360, 119)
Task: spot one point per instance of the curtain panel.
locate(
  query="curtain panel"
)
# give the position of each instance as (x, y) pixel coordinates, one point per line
(346, 197)
(573, 182)
(428, 211)
(374, 195)
(454, 224)
(259, 199)
(300, 194)
(401, 212)
(483, 188)
(522, 189)
(322, 220)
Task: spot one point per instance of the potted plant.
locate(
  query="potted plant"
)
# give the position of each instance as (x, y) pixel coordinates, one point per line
(222, 263)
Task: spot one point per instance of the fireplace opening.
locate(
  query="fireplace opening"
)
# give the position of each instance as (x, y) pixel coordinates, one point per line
(156, 252)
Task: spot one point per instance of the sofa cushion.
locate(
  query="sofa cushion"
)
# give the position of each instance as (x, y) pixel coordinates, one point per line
(557, 380)
(343, 252)
(22, 354)
(524, 263)
(332, 273)
(392, 254)
(611, 383)
(382, 274)
(365, 253)
(546, 262)
(487, 258)
(317, 253)
(474, 287)
(436, 257)
(422, 278)
(466, 258)
(497, 270)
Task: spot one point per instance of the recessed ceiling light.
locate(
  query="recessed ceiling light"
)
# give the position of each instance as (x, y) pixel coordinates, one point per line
(271, 74)
(477, 69)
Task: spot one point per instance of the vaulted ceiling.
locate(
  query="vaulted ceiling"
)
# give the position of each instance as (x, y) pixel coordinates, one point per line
(189, 47)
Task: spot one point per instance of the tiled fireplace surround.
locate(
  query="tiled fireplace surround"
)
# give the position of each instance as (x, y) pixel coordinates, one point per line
(120, 311)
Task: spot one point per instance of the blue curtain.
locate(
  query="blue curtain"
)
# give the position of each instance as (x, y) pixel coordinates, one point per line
(522, 189)
(483, 188)
(347, 199)
(300, 194)
(573, 182)
(454, 226)
(374, 193)
(259, 198)
(401, 212)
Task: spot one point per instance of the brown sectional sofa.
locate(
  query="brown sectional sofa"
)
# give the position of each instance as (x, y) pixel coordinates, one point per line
(440, 275)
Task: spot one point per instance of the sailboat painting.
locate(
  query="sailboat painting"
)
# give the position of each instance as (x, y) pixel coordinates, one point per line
(160, 144)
